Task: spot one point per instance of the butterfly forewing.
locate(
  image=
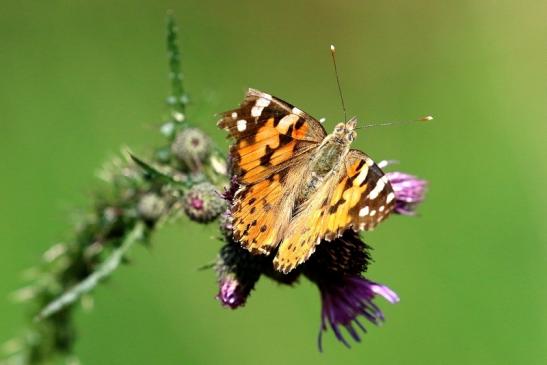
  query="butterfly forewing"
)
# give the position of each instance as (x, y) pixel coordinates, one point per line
(268, 134)
(273, 140)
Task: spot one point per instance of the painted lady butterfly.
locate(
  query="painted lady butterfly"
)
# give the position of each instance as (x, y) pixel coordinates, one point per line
(298, 184)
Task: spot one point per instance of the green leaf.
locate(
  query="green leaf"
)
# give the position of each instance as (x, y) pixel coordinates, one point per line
(154, 174)
(151, 171)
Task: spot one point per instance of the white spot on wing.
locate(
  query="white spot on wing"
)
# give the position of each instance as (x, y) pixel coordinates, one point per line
(361, 177)
(381, 209)
(295, 110)
(234, 115)
(363, 212)
(373, 213)
(378, 188)
(263, 102)
(256, 110)
(286, 122)
(390, 197)
(241, 125)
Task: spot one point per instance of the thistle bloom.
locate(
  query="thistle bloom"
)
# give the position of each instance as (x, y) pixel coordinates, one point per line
(409, 192)
(344, 299)
(336, 268)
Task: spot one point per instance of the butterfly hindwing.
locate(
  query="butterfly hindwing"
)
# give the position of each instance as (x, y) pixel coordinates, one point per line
(262, 211)
(302, 236)
(359, 196)
(367, 197)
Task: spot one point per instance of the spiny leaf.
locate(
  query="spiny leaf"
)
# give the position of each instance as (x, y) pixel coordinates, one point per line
(152, 172)
(155, 174)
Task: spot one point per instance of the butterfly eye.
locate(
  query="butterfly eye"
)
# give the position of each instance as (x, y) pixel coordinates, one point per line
(339, 129)
(350, 136)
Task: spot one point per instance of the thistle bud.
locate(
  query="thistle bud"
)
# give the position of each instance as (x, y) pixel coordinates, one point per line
(203, 203)
(192, 147)
(237, 272)
(225, 223)
(151, 207)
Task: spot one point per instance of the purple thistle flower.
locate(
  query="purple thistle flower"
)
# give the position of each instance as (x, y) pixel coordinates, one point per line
(409, 192)
(344, 299)
(336, 268)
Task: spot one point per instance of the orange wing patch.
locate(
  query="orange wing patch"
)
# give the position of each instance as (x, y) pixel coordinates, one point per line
(255, 209)
(272, 147)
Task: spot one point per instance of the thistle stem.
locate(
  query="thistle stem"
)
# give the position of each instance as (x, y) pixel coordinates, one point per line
(104, 271)
(178, 98)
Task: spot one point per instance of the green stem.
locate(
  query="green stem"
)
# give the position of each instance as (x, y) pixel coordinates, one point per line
(178, 98)
(104, 271)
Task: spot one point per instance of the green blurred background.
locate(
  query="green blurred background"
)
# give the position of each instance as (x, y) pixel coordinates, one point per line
(79, 79)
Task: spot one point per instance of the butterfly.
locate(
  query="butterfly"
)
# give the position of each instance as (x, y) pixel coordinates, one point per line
(298, 184)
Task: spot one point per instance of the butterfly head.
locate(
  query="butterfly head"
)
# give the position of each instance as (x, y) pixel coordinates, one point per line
(345, 132)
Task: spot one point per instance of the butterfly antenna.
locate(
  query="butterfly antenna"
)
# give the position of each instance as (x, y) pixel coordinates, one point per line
(427, 118)
(333, 52)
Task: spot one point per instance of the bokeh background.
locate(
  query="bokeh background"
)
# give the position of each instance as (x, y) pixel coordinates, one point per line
(79, 79)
